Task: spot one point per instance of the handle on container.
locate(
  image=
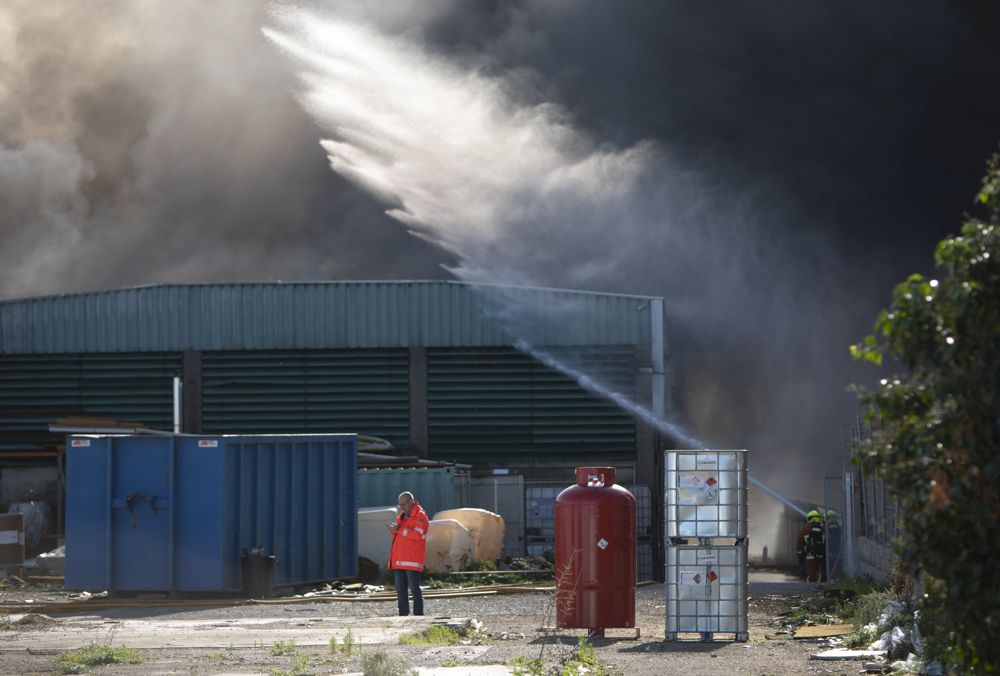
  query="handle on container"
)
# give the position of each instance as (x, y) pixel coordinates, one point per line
(595, 477)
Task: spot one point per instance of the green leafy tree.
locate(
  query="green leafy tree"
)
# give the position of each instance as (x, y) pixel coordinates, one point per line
(938, 448)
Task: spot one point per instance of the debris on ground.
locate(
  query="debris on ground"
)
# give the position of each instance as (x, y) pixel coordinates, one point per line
(52, 563)
(12, 582)
(35, 620)
(355, 589)
(525, 563)
(85, 595)
(823, 631)
(847, 654)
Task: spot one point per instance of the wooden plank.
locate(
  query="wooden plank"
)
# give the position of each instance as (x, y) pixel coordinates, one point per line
(824, 631)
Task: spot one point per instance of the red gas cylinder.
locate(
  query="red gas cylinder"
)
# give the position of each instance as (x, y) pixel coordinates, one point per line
(595, 553)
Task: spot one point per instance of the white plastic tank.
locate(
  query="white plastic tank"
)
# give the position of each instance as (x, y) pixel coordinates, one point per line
(449, 546)
(487, 530)
(374, 537)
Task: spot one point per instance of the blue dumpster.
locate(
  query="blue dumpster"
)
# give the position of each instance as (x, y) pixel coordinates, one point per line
(178, 513)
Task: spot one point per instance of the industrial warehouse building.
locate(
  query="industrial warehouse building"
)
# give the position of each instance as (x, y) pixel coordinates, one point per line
(429, 366)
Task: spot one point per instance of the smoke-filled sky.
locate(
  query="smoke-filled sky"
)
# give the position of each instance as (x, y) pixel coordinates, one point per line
(769, 168)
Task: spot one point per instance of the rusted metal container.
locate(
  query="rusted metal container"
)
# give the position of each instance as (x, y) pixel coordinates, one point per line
(595, 553)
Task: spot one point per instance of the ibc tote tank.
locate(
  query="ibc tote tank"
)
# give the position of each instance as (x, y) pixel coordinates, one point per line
(595, 553)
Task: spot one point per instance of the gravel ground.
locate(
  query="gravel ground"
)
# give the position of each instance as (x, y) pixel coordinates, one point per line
(511, 630)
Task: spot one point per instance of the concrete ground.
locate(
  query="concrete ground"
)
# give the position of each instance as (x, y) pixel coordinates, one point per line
(248, 638)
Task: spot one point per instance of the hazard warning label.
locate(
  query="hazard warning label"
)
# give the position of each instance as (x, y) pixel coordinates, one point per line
(696, 583)
(697, 488)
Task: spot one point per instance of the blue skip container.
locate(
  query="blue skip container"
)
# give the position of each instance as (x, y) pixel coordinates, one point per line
(178, 513)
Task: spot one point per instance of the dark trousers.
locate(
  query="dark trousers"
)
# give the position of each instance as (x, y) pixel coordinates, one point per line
(815, 570)
(411, 579)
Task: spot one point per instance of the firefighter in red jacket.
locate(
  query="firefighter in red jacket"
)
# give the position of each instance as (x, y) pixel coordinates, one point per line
(409, 549)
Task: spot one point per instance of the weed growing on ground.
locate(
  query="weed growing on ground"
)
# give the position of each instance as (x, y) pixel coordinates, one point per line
(299, 662)
(870, 606)
(349, 643)
(446, 581)
(451, 662)
(93, 655)
(5, 623)
(381, 663)
(859, 584)
(827, 610)
(436, 634)
(300, 666)
(524, 666)
(583, 659)
(283, 648)
(346, 647)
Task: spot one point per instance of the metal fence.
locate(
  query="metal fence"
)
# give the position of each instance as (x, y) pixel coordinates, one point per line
(875, 514)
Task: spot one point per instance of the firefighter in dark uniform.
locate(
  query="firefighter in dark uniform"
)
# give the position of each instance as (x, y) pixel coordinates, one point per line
(811, 547)
(834, 543)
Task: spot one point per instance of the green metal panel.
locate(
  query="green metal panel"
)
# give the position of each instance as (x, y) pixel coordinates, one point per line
(321, 315)
(498, 405)
(360, 391)
(37, 390)
(435, 488)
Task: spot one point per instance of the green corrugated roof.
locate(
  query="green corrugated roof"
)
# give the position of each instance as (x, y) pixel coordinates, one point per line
(319, 315)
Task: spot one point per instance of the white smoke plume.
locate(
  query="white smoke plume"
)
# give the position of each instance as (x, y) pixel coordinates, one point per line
(512, 186)
(472, 160)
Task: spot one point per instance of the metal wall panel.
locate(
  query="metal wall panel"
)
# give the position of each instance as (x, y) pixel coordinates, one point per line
(503, 495)
(320, 315)
(500, 405)
(37, 390)
(358, 391)
(174, 513)
(435, 488)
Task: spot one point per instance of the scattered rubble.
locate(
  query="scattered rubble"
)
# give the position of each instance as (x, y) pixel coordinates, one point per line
(848, 654)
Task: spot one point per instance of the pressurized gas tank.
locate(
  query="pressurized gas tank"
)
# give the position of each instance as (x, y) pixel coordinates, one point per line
(595, 553)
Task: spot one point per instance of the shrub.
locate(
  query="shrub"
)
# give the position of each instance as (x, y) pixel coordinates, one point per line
(938, 446)
(381, 663)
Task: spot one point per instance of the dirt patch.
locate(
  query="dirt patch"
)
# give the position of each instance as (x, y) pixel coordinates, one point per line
(241, 639)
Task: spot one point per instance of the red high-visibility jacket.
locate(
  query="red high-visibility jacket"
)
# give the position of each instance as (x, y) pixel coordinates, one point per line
(409, 543)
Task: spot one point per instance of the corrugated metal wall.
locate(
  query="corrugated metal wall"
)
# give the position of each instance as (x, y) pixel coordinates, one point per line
(318, 315)
(35, 391)
(435, 488)
(496, 405)
(360, 391)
